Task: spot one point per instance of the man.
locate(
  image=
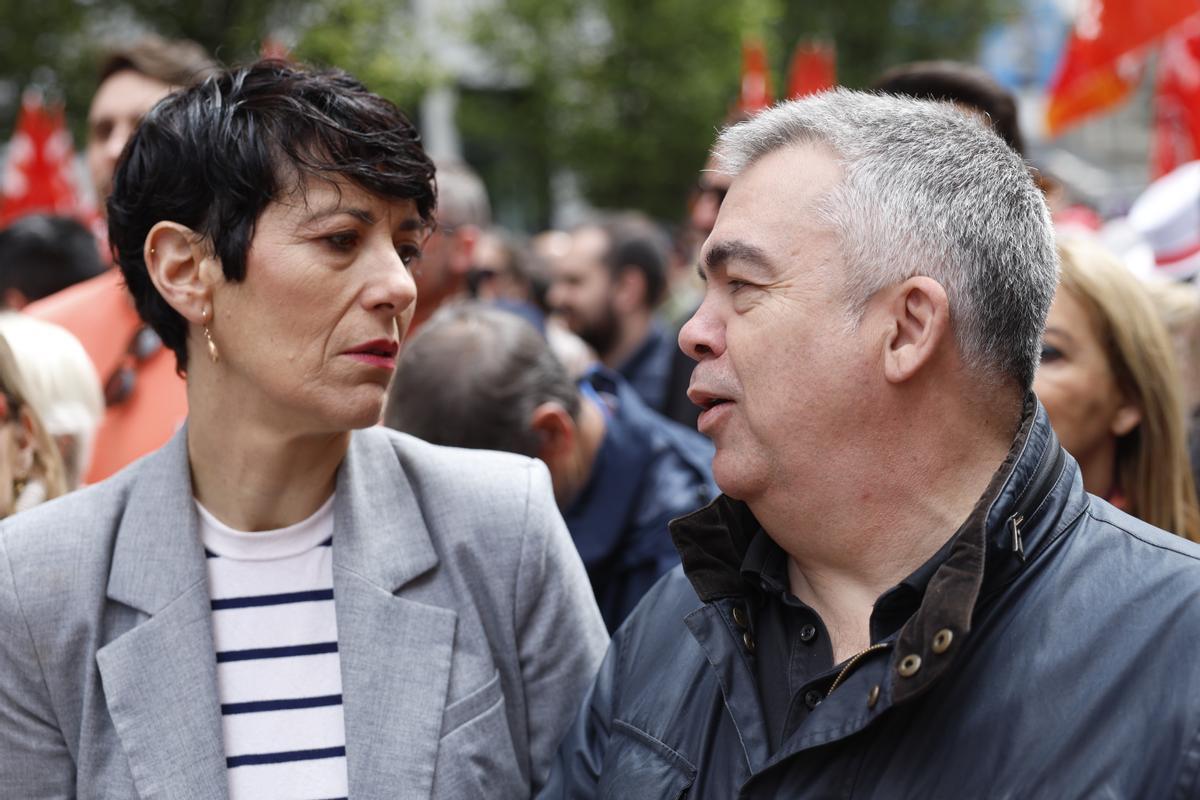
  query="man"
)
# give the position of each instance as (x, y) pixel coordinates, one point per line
(620, 472)
(606, 287)
(144, 396)
(448, 256)
(905, 590)
(41, 254)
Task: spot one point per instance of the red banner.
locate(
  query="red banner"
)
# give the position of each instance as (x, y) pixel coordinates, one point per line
(1103, 60)
(1177, 99)
(813, 69)
(37, 174)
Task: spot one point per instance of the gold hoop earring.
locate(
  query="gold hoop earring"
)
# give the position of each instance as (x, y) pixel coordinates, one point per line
(213, 354)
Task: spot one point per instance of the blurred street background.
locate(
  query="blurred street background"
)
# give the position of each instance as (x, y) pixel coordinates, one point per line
(566, 105)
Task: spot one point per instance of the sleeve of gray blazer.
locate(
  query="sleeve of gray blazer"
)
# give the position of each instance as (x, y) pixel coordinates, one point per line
(560, 635)
(34, 761)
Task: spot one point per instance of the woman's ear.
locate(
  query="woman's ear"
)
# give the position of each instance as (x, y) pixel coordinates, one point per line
(26, 441)
(181, 268)
(1126, 418)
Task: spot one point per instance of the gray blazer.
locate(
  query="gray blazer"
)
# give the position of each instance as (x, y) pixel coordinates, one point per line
(467, 630)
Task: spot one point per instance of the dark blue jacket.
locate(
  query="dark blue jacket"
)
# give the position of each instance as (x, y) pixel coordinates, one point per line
(1055, 653)
(647, 472)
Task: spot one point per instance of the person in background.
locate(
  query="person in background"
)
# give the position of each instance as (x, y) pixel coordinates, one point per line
(145, 400)
(621, 472)
(287, 600)
(1110, 384)
(41, 254)
(606, 288)
(1178, 306)
(61, 385)
(968, 86)
(463, 213)
(31, 469)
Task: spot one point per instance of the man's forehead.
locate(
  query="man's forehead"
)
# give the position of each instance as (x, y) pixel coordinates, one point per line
(128, 92)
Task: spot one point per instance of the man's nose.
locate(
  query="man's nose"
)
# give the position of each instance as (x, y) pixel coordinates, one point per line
(702, 336)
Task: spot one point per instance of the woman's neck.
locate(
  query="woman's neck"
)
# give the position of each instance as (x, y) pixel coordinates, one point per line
(254, 478)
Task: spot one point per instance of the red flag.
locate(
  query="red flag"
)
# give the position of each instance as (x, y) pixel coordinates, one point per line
(37, 175)
(813, 69)
(1177, 99)
(756, 79)
(1102, 60)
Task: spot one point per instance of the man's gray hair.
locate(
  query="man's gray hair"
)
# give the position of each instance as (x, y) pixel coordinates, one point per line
(472, 377)
(926, 190)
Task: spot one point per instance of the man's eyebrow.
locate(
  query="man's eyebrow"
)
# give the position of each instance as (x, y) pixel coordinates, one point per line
(721, 254)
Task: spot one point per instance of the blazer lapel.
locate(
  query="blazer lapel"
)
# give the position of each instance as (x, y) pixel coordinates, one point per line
(395, 652)
(160, 679)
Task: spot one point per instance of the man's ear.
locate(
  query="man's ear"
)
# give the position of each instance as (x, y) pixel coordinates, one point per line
(182, 269)
(629, 290)
(918, 313)
(555, 431)
(462, 254)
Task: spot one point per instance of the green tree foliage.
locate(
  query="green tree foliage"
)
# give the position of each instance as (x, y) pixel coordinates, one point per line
(628, 94)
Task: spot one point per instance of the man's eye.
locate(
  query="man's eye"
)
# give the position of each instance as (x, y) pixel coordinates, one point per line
(409, 254)
(1050, 353)
(101, 131)
(734, 285)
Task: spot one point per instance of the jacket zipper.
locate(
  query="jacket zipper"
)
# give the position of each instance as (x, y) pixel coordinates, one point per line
(853, 661)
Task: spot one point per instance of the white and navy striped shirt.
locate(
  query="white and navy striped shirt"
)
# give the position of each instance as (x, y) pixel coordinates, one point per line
(278, 674)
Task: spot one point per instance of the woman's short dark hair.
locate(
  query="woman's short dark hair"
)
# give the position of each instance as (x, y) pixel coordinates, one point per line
(213, 156)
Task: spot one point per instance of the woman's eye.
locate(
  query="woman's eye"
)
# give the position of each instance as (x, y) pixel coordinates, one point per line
(342, 241)
(1050, 353)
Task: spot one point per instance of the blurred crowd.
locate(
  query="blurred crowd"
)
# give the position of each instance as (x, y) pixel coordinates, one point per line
(563, 345)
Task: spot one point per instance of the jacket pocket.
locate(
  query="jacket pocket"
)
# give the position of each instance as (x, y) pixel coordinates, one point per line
(477, 756)
(637, 766)
(468, 708)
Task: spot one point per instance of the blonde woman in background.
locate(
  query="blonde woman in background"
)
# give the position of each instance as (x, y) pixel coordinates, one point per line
(1109, 381)
(31, 470)
(62, 387)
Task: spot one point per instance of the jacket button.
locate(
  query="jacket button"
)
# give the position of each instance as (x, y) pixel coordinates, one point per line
(942, 640)
(808, 633)
(909, 666)
(813, 698)
(739, 617)
(873, 696)
(748, 640)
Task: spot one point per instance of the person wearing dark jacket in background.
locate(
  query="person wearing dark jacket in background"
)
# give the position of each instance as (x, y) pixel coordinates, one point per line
(620, 471)
(905, 590)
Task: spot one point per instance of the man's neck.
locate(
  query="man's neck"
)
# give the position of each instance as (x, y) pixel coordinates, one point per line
(845, 551)
(633, 332)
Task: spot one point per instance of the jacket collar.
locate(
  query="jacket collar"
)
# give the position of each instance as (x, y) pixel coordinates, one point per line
(1027, 503)
(159, 677)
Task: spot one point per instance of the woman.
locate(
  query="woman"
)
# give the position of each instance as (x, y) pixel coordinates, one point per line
(279, 603)
(1109, 382)
(62, 386)
(31, 470)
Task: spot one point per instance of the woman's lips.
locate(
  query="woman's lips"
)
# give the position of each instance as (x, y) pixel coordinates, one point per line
(376, 353)
(374, 360)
